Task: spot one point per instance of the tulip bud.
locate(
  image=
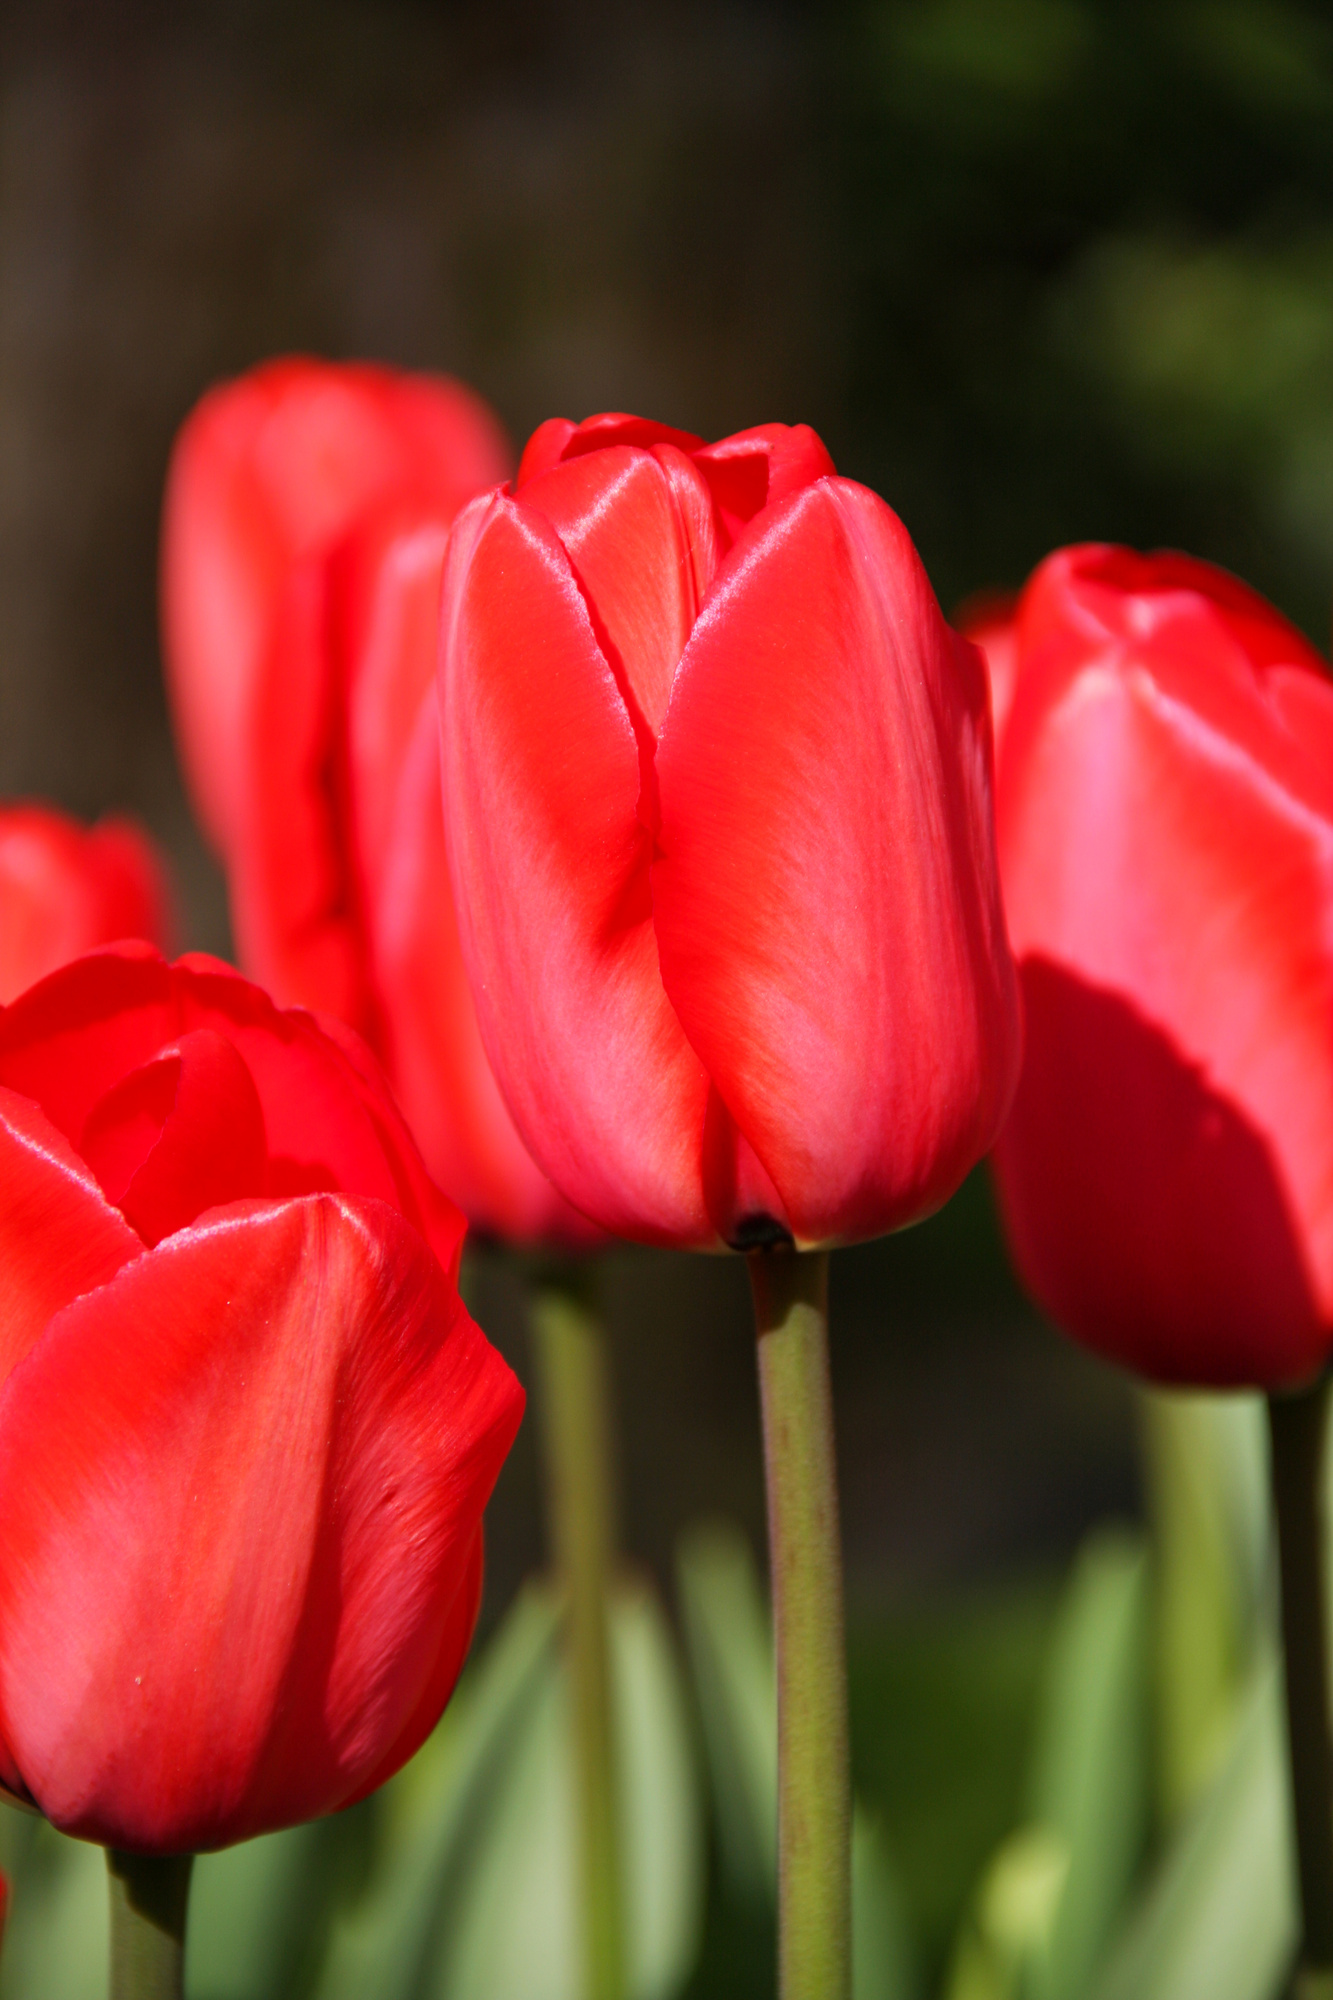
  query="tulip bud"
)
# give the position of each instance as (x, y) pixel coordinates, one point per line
(716, 787)
(1165, 821)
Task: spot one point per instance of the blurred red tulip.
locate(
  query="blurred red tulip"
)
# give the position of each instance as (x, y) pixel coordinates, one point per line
(717, 798)
(1165, 817)
(335, 850)
(67, 888)
(270, 470)
(247, 1429)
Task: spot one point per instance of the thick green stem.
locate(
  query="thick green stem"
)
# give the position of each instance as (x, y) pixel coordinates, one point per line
(149, 1895)
(1298, 1427)
(572, 1353)
(814, 1788)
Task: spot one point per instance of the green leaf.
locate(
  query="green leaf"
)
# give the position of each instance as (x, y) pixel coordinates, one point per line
(1090, 1765)
(729, 1642)
(430, 1809)
(58, 1936)
(476, 1889)
(1218, 1919)
(253, 1909)
(1206, 1463)
(1051, 1894)
(511, 1924)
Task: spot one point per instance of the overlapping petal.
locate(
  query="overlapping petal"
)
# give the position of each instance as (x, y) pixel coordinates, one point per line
(549, 861)
(824, 891)
(281, 1476)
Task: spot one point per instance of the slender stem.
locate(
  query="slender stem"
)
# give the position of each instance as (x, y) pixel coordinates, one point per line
(149, 1895)
(1298, 1425)
(814, 1789)
(572, 1353)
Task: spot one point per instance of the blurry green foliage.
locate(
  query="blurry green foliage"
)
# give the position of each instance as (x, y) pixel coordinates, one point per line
(1086, 255)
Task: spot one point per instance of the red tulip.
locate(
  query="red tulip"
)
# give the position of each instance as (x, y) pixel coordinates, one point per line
(1165, 815)
(335, 855)
(270, 470)
(717, 799)
(66, 888)
(246, 1428)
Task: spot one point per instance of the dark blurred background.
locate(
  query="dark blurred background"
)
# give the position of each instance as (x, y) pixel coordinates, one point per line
(1038, 270)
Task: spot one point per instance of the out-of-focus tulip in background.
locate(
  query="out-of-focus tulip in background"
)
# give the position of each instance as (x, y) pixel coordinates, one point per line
(1036, 270)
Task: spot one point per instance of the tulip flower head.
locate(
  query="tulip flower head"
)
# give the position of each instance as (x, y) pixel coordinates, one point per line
(66, 888)
(716, 787)
(247, 1429)
(1165, 826)
(306, 518)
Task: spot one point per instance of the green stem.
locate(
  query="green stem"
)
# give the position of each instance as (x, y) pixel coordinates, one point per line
(572, 1355)
(149, 1895)
(1298, 1426)
(814, 1789)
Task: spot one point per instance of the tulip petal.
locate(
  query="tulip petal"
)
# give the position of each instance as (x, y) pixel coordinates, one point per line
(229, 1575)
(65, 889)
(268, 470)
(328, 1116)
(59, 1235)
(548, 858)
(1163, 863)
(435, 1054)
(183, 1133)
(635, 551)
(824, 892)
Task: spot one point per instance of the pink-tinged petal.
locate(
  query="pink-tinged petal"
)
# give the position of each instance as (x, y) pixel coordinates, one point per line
(181, 1134)
(268, 470)
(759, 468)
(242, 1485)
(824, 893)
(639, 538)
(548, 858)
(1168, 871)
(59, 1235)
(65, 889)
(433, 1046)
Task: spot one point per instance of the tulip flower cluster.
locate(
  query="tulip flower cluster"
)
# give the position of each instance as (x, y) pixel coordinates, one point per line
(637, 813)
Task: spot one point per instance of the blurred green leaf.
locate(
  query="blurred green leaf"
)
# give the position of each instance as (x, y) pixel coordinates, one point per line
(253, 1911)
(727, 1636)
(1090, 1764)
(58, 1934)
(729, 1640)
(1218, 1919)
(1052, 1892)
(477, 1892)
(429, 1809)
(1206, 1463)
(511, 1926)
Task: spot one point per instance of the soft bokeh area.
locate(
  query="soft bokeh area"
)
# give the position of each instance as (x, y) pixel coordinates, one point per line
(1037, 271)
